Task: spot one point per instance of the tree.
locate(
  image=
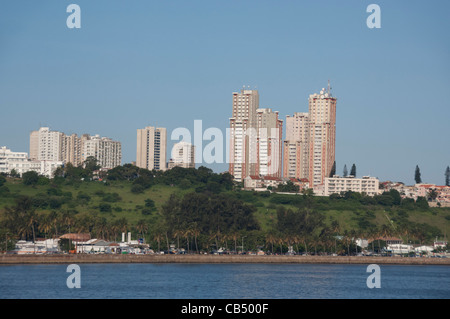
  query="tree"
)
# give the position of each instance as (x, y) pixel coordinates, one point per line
(2, 180)
(345, 171)
(30, 178)
(353, 170)
(417, 177)
(447, 176)
(333, 170)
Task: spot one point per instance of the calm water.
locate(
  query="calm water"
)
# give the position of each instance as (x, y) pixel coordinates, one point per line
(230, 281)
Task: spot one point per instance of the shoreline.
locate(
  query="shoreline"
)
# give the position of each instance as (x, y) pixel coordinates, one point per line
(217, 259)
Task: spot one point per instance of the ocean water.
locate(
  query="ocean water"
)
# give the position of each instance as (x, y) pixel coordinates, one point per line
(223, 281)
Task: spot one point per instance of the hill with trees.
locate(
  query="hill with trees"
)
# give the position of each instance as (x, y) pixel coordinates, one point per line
(200, 210)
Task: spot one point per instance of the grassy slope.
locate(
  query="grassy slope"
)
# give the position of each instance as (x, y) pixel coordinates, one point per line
(266, 213)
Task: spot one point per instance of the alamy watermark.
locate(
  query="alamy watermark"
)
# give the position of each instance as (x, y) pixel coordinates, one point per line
(374, 280)
(74, 280)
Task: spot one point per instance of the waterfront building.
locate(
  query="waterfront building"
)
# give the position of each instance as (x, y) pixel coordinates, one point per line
(151, 148)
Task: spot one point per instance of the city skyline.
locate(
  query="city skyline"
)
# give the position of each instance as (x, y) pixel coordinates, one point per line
(391, 115)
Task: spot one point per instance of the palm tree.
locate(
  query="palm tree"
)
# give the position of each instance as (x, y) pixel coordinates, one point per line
(69, 219)
(55, 220)
(177, 233)
(195, 232)
(336, 228)
(142, 227)
(45, 224)
(32, 220)
(271, 239)
(158, 237)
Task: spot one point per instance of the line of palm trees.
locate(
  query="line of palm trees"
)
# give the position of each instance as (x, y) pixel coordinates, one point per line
(28, 225)
(23, 221)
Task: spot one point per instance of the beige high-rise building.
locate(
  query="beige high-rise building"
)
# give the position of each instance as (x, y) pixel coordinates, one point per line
(269, 145)
(309, 148)
(151, 148)
(34, 145)
(71, 148)
(322, 135)
(243, 134)
(296, 147)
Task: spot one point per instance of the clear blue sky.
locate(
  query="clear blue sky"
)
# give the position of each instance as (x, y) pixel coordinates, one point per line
(167, 63)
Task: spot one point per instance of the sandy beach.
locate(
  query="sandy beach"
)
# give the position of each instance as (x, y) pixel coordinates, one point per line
(216, 259)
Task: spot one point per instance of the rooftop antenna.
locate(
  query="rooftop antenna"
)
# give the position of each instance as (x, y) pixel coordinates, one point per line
(329, 86)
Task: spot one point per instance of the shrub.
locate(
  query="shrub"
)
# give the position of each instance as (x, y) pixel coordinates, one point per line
(105, 208)
(30, 178)
(137, 189)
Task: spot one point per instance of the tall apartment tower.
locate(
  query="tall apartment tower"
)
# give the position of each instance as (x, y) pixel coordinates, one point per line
(296, 146)
(151, 148)
(309, 147)
(269, 145)
(107, 152)
(322, 135)
(71, 149)
(45, 145)
(243, 134)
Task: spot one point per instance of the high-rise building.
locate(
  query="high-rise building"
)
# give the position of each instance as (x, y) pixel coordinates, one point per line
(322, 135)
(309, 148)
(269, 145)
(71, 149)
(243, 134)
(183, 155)
(107, 152)
(47, 145)
(151, 148)
(296, 147)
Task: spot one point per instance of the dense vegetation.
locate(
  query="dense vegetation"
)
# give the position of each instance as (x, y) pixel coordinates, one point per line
(200, 210)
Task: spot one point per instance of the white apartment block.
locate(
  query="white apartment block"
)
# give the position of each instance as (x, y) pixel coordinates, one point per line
(45, 145)
(20, 163)
(107, 152)
(183, 155)
(54, 146)
(336, 185)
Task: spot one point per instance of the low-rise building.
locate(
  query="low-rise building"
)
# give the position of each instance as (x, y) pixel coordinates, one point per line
(336, 185)
(20, 163)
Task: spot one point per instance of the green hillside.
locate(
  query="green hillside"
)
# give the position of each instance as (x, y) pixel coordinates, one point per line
(200, 210)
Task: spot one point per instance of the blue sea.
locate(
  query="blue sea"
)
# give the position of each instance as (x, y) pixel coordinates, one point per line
(223, 281)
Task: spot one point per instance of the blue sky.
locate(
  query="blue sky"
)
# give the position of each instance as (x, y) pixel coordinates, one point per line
(167, 63)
